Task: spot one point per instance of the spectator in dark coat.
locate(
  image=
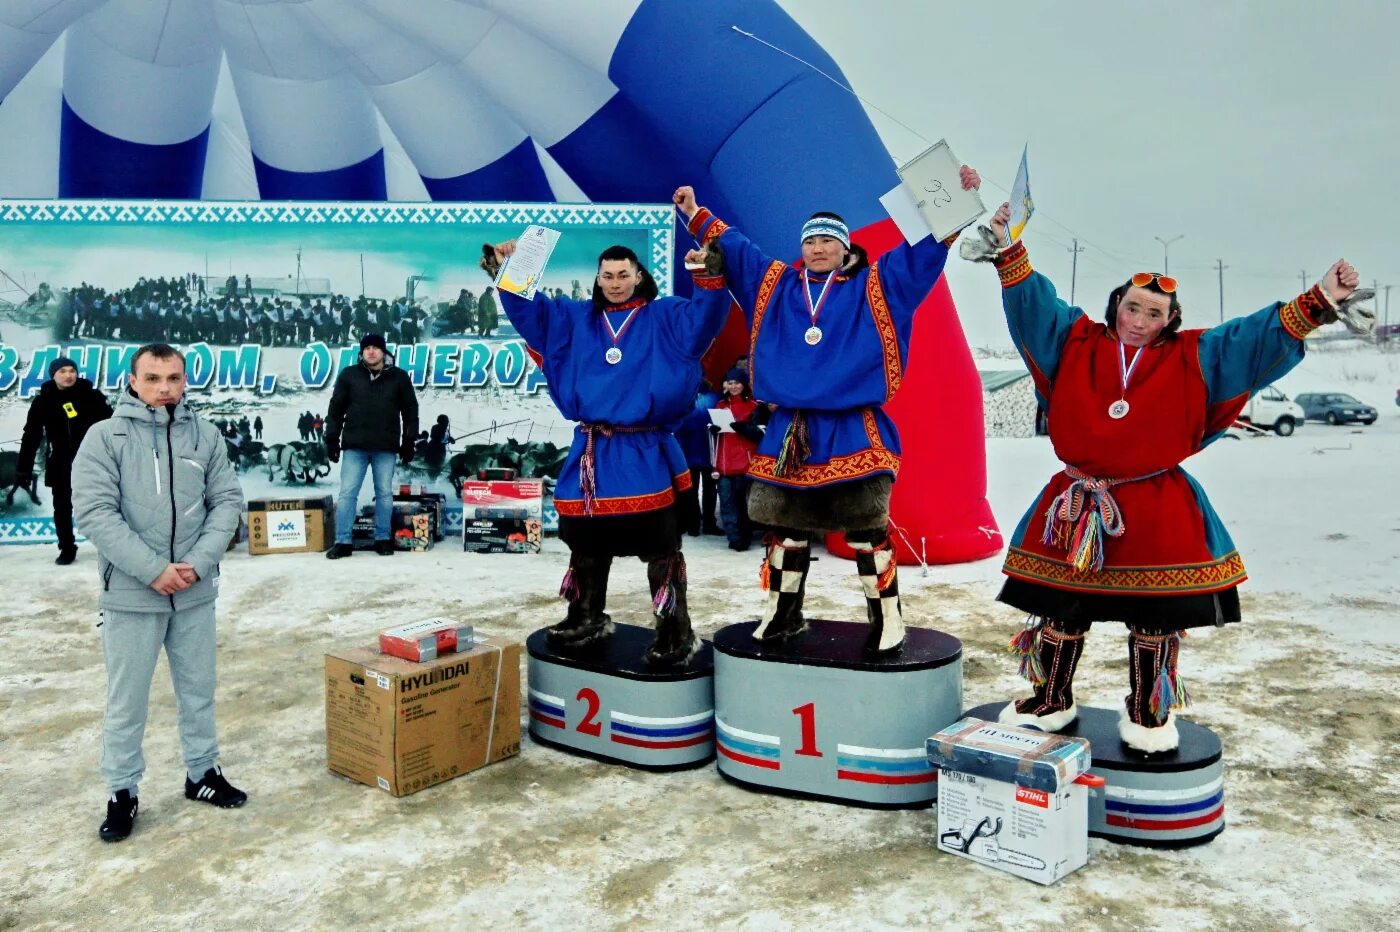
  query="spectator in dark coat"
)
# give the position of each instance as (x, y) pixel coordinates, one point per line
(59, 417)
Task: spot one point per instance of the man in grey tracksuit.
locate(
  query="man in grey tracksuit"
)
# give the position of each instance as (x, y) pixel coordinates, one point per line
(154, 491)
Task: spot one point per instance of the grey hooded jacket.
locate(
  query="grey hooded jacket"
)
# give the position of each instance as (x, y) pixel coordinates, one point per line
(151, 488)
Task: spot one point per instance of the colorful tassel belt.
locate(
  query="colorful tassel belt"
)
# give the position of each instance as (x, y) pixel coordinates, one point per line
(588, 464)
(1081, 515)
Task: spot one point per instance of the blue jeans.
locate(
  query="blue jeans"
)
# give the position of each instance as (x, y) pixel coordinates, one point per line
(353, 465)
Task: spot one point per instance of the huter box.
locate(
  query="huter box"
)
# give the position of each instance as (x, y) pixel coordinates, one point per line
(1011, 798)
(290, 525)
(404, 726)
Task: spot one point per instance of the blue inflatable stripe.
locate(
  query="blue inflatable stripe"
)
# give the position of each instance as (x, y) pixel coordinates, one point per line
(754, 750)
(1200, 805)
(93, 164)
(363, 181)
(698, 728)
(515, 176)
(884, 765)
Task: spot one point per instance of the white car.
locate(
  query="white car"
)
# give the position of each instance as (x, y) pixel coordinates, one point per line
(1270, 409)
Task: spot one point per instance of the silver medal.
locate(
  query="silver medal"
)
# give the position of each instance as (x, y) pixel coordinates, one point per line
(1118, 410)
(613, 356)
(813, 336)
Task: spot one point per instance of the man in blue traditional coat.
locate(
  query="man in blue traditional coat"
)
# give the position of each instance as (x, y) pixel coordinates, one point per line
(623, 365)
(828, 342)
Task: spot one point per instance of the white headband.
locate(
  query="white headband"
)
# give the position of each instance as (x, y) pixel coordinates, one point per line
(826, 226)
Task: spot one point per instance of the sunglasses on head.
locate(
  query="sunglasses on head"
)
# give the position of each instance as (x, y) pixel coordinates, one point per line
(1165, 282)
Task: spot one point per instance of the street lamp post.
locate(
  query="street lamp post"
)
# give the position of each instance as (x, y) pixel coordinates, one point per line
(1166, 270)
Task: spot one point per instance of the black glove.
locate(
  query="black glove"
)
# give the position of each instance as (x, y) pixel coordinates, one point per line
(714, 430)
(333, 450)
(406, 452)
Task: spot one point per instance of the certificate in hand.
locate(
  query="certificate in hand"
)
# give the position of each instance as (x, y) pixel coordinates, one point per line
(932, 180)
(520, 273)
(722, 418)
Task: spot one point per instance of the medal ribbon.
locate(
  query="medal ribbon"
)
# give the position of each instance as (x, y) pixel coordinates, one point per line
(617, 334)
(1125, 371)
(813, 311)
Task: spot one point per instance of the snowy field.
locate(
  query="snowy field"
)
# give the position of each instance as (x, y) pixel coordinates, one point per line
(1305, 694)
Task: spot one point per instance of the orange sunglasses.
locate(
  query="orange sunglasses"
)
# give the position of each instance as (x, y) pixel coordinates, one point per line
(1165, 282)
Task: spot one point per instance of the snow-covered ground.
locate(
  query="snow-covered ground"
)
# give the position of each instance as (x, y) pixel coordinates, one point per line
(1304, 694)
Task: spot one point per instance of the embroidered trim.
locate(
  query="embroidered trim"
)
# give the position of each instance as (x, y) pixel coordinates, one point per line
(760, 307)
(1224, 573)
(681, 481)
(884, 326)
(1013, 265)
(838, 469)
(715, 231)
(708, 282)
(1302, 315)
(872, 429)
(625, 505)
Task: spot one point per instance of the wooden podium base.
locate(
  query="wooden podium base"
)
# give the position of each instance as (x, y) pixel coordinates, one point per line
(816, 717)
(604, 701)
(1172, 800)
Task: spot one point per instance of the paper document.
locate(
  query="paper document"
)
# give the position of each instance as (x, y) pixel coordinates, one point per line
(521, 272)
(933, 182)
(723, 418)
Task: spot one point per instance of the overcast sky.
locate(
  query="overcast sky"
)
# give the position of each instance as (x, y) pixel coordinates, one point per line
(1267, 132)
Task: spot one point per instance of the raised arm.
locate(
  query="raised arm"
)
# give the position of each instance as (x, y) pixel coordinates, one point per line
(531, 319)
(1241, 356)
(907, 273)
(745, 265)
(1038, 320)
(695, 323)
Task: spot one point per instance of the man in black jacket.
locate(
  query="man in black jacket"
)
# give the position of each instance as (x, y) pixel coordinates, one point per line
(60, 415)
(373, 417)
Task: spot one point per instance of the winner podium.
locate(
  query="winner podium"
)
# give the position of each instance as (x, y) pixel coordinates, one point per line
(814, 716)
(1171, 800)
(604, 701)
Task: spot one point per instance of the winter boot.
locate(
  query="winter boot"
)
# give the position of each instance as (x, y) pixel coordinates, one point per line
(1049, 653)
(784, 575)
(1147, 724)
(66, 555)
(585, 586)
(676, 643)
(879, 578)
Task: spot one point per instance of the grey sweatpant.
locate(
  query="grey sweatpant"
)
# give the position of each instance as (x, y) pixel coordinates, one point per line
(131, 643)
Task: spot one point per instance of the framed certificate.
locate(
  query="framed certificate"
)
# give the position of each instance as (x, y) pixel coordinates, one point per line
(932, 180)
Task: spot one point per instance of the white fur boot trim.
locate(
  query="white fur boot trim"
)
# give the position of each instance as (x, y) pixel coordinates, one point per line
(1051, 721)
(1157, 740)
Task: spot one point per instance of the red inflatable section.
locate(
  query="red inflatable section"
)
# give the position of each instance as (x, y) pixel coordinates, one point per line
(939, 504)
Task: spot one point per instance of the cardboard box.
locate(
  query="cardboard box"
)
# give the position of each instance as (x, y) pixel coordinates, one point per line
(421, 641)
(408, 505)
(404, 726)
(501, 535)
(291, 525)
(521, 499)
(1013, 798)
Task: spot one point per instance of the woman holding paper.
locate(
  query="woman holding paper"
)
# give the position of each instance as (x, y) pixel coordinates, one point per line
(624, 366)
(1123, 533)
(734, 450)
(828, 342)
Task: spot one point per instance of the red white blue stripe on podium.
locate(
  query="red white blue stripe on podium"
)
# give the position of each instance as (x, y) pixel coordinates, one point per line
(546, 709)
(1164, 810)
(748, 747)
(661, 734)
(889, 766)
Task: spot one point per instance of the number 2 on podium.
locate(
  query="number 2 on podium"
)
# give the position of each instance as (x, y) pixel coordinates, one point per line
(590, 724)
(808, 715)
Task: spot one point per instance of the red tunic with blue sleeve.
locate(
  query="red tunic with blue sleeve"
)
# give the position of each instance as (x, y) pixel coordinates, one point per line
(1124, 533)
(838, 384)
(625, 411)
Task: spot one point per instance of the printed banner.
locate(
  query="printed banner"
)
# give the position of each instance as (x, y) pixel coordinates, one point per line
(268, 301)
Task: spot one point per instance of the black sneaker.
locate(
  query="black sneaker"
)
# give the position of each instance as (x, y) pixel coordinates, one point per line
(340, 550)
(215, 790)
(385, 548)
(66, 555)
(121, 816)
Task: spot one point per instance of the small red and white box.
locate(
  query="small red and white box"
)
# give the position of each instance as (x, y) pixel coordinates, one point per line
(421, 641)
(410, 488)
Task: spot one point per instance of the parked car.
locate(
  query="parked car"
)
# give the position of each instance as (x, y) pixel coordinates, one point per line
(1336, 408)
(1270, 409)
